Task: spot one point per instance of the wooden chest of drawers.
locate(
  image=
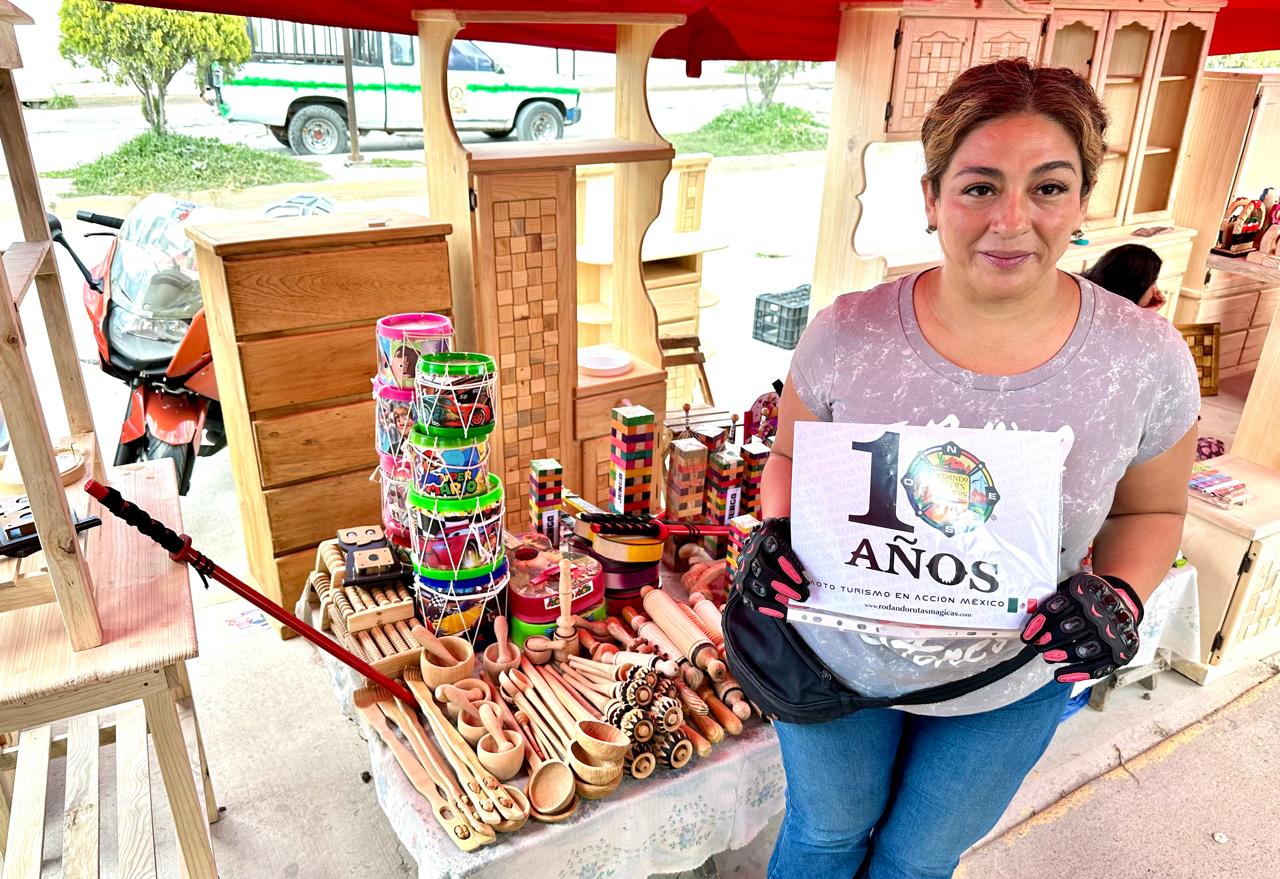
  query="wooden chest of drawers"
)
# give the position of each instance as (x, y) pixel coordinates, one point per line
(291, 306)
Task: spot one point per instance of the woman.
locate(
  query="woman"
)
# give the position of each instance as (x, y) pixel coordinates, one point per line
(996, 338)
(1130, 270)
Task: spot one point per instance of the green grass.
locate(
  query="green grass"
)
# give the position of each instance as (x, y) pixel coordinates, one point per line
(60, 102)
(750, 131)
(394, 163)
(178, 163)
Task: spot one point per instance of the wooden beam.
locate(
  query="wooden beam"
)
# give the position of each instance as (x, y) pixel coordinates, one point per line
(13, 15)
(467, 16)
(1258, 436)
(864, 78)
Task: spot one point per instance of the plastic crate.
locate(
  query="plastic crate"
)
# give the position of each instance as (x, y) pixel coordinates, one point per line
(781, 317)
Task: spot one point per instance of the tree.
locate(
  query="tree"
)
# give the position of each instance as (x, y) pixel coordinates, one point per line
(147, 47)
(768, 75)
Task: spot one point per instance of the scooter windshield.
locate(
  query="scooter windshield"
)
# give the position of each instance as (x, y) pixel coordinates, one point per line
(153, 272)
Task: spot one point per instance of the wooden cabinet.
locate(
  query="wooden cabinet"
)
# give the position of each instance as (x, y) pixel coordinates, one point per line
(1075, 38)
(292, 305)
(931, 52)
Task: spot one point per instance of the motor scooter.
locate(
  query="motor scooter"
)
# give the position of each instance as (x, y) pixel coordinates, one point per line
(148, 321)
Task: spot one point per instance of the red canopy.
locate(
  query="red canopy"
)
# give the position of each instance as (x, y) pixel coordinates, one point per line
(800, 30)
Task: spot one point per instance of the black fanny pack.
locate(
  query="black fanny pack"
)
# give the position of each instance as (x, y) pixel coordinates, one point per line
(787, 680)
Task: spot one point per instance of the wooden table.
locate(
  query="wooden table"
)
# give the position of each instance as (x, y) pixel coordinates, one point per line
(148, 629)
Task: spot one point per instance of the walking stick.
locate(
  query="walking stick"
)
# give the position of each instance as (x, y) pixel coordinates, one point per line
(628, 525)
(180, 550)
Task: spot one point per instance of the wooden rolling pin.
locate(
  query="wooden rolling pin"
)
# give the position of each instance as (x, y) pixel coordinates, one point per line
(667, 649)
(726, 718)
(704, 613)
(683, 632)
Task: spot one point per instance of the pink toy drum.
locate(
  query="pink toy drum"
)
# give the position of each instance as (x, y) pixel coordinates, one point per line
(395, 416)
(396, 475)
(404, 338)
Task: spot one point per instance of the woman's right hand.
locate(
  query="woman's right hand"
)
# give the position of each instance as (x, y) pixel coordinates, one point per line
(769, 574)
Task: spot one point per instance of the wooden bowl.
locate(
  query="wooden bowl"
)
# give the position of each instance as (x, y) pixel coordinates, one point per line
(603, 741)
(511, 825)
(556, 817)
(598, 791)
(491, 664)
(591, 769)
(503, 764)
(435, 673)
(552, 780)
(473, 734)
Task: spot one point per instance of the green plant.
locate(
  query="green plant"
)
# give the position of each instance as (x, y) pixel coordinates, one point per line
(178, 163)
(1251, 60)
(60, 101)
(778, 128)
(768, 75)
(147, 47)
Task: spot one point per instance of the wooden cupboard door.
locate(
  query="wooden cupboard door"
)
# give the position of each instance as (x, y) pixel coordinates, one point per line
(1258, 163)
(931, 53)
(996, 38)
(1128, 62)
(1075, 39)
(1184, 43)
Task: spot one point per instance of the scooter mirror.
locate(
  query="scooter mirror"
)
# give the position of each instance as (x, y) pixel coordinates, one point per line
(55, 225)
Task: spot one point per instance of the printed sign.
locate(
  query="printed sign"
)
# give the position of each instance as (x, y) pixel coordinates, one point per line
(925, 526)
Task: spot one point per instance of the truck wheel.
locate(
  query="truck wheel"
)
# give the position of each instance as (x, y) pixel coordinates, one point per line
(280, 133)
(539, 120)
(317, 130)
(499, 133)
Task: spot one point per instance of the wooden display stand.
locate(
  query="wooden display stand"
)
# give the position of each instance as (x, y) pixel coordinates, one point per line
(892, 62)
(103, 625)
(514, 286)
(671, 265)
(292, 306)
(1231, 151)
(1237, 555)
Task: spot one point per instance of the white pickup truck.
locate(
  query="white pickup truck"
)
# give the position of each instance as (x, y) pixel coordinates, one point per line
(295, 85)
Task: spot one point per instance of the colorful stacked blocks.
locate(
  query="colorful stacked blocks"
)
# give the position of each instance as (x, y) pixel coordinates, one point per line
(740, 527)
(712, 436)
(723, 488)
(546, 489)
(754, 455)
(686, 480)
(631, 459)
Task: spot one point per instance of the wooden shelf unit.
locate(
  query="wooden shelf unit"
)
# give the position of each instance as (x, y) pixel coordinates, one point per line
(892, 61)
(515, 290)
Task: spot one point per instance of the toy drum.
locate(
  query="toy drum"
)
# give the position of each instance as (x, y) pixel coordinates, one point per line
(404, 338)
(486, 580)
(396, 475)
(457, 535)
(455, 390)
(394, 413)
(447, 464)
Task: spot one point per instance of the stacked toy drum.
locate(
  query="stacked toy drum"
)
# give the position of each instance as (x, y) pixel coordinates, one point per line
(402, 341)
(455, 505)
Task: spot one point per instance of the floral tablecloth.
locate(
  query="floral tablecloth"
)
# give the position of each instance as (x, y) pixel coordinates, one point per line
(671, 821)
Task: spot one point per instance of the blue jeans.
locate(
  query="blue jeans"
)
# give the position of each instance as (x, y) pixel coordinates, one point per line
(888, 795)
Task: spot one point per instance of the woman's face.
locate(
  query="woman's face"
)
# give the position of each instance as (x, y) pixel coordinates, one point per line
(1007, 204)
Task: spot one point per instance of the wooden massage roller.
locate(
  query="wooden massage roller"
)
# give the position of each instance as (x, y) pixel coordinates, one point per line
(640, 762)
(668, 714)
(666, 648)
(683, 632)
(673, 750)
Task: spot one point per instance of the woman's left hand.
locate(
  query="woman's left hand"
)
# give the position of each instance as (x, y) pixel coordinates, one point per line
(1089, 622)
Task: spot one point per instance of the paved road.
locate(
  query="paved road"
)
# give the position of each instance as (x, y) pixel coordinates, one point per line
(1201, 805)
(62, 139)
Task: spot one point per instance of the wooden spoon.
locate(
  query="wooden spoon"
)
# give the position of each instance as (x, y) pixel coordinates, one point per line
(550, 787)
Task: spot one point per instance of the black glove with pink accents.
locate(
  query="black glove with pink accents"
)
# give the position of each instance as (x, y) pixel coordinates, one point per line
(769, 574)
(1090, 622)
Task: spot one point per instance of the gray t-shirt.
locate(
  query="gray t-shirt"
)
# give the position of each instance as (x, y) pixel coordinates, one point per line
(1122, 390)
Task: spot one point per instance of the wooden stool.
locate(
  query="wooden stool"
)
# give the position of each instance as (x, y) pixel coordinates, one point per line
(148, 627)
(687, 351)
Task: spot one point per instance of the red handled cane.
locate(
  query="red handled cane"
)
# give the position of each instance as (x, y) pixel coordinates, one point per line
(627, 525)
(180, 550)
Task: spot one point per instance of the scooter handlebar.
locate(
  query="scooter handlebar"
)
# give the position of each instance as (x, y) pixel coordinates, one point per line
(99, 219)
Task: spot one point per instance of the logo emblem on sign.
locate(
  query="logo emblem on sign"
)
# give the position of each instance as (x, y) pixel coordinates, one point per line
(950, 489)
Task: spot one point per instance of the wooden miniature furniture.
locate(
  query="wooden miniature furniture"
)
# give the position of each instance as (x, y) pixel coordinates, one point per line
(892, 62)
(292, 306)
(514, 284)
(1237, 554)
(144, 605)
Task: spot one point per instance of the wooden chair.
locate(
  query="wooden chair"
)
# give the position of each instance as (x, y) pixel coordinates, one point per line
(687, 351)
(101, 624)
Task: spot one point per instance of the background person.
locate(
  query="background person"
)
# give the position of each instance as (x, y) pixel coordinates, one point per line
(1130, 270)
